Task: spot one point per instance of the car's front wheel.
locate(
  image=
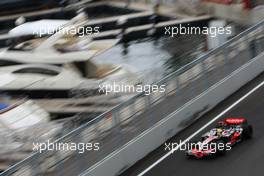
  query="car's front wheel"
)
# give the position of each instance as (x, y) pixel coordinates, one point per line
(220, 147)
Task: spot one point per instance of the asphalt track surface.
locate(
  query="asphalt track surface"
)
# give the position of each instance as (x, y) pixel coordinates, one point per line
(244, 159)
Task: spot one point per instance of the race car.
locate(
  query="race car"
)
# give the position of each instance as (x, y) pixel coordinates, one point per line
(220, 139)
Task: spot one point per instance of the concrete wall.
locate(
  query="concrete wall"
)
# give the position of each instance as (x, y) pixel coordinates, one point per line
(172, 124)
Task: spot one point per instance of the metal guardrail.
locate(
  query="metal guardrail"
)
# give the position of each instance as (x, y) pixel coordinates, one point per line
(116, 127)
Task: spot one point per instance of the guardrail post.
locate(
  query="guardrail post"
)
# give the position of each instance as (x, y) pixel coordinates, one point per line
(178, 88)
(133, 112)
(226, 59)
(35, 168)
(226, 52)
(193, 88)
(177, 84)
(259, 45)
(132, 109)
(252, 48)
(117, 127)
(204, 70)
(148, 104)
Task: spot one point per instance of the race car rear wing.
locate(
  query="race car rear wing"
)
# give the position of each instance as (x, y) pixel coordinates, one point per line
(235, 121)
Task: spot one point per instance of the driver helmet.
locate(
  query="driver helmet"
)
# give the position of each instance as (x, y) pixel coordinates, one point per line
(219, 131)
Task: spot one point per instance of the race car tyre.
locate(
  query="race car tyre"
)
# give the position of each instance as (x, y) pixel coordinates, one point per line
(248, 132)
(222, 151)
(188, 156)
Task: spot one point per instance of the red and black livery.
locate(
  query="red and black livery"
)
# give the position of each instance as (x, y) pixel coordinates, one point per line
(226, 133)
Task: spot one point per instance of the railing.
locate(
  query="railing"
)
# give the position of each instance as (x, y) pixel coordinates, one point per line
(116, 127)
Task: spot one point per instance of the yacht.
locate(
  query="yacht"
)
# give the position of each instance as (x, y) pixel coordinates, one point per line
(23, 122)
(61, 61)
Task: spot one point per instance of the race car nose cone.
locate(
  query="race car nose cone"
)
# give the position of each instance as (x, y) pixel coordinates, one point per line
(199, 154)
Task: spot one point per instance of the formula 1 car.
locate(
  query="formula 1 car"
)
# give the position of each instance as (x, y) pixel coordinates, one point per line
(220, 139)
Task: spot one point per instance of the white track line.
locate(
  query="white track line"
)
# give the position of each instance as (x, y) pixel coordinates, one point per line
(202, 128)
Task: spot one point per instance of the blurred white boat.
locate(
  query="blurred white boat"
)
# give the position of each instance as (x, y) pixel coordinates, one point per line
(51, 77)
(38, 28)
(23, 122)
(62, 43)
(73, 53)
(46, 26)
(22, 114)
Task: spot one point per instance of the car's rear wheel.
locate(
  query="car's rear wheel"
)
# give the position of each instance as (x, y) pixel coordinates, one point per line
(247, 132)
(188, 156)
